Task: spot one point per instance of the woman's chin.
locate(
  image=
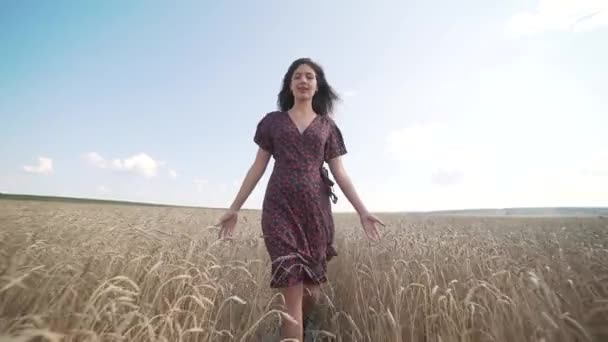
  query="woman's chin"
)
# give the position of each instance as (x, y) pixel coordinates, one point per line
(303, 98)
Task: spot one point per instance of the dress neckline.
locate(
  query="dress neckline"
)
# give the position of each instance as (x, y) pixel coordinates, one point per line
(293, 123)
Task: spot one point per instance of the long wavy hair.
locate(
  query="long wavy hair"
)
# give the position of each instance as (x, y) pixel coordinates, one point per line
(324, 99)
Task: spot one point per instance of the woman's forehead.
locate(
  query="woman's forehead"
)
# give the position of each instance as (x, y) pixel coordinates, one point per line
(304, 68)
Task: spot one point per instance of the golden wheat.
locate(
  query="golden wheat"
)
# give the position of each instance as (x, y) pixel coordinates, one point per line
(84, 272)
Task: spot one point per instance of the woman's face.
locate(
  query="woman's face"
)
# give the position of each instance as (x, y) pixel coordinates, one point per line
(303, 83)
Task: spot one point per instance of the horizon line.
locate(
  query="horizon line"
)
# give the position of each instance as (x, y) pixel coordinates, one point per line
(160, 204)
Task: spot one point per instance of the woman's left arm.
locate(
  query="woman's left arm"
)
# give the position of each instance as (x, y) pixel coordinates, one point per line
(368, 220)
(346, 185)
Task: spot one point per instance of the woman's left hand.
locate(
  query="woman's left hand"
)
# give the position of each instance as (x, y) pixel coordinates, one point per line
(369, 222)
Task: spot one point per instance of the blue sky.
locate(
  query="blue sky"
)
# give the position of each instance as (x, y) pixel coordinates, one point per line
(446, 104)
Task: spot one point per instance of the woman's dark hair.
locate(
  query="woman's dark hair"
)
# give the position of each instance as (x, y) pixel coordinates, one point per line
(324, 98)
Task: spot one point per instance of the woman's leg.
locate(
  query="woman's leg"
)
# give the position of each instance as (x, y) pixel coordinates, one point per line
(310, 298)
(293, 303)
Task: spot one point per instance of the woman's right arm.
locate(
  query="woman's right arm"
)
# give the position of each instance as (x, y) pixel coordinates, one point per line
(255, 172)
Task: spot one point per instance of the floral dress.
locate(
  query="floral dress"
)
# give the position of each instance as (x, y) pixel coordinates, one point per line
(297, 220)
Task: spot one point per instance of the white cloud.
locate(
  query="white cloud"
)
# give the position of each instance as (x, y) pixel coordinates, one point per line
(465, 165)
(436, 147)
(596, 165)
(172, 174)
(45, 165)
(141, 164)
(102, 189)
(447, 177)
(560, 15)
(95, 159)
(200, 184)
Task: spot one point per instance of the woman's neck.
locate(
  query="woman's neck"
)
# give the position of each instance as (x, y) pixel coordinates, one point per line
(302, 108)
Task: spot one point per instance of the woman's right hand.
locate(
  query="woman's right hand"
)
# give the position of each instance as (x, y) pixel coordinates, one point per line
(227, 223)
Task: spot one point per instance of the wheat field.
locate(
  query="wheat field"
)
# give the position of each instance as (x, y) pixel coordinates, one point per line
(92, 272)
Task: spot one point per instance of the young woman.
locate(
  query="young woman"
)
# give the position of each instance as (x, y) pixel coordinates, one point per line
(297, 220)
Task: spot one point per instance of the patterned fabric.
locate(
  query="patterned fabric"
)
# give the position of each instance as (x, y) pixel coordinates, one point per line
(297, 220)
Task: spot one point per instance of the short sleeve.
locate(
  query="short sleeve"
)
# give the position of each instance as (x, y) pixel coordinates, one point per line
(334, 146)
(263, 136)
